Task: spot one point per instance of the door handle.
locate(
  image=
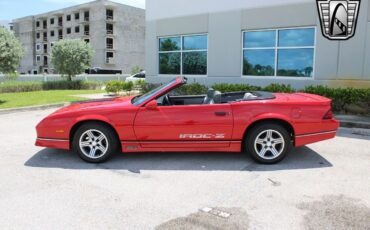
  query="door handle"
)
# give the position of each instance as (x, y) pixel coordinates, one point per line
(221, 113)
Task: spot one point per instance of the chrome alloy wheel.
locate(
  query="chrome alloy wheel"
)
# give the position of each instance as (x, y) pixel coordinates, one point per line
(269, 144)
(93, 144)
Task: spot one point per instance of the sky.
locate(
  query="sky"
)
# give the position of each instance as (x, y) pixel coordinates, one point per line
(11, 9)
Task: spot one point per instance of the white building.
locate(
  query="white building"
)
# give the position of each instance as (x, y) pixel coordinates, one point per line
(254, 42)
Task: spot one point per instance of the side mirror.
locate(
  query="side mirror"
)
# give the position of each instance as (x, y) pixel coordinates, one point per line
(152, 105)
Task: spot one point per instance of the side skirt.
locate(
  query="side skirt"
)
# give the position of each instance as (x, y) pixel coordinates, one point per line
(194, 146)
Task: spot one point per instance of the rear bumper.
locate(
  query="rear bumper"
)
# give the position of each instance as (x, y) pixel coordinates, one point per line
(329, 130)
(53, 143)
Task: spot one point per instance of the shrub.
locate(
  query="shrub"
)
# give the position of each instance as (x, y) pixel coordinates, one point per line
(71, 85)
(17, 87)
(114, 86)
(191, 89)
(279, 88)
(223, 87)
(127, 86)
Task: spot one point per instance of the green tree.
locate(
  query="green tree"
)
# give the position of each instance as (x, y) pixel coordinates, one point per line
(71, 57)
(11, 51)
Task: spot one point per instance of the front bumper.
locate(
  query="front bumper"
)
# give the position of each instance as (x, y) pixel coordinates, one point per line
(53, 143)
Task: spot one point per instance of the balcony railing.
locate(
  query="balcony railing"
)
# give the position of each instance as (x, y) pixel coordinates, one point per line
(109, 46)
(87, 33)
(60, 37)
(87, 19)
(110, 17)
(45, 39)
(110, 32)
(60, 23)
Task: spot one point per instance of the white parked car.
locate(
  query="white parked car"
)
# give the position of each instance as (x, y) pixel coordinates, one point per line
(136, 77)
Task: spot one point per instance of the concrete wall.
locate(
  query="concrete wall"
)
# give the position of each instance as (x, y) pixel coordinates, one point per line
(343, 63)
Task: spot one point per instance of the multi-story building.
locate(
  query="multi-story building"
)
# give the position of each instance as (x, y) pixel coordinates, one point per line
(115, 31)
(253, 42)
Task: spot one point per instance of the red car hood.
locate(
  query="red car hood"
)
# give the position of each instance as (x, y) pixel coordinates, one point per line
(93, 104)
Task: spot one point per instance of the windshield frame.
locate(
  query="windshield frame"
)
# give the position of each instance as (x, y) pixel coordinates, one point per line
(145, 98)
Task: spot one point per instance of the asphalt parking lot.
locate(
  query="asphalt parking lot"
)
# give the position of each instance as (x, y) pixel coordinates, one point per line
(324, 185)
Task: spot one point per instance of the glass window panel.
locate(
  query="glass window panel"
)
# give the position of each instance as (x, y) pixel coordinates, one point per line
(169, 63)
(169, 44)
(295, 62)
(198, 42)
(297, 37)
(259, 62)
(260, 39)
(195, 63)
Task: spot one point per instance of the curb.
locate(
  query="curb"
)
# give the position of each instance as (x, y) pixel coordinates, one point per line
(32, 108)
(354, 124)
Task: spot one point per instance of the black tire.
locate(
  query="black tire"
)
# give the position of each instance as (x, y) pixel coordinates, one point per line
(265, 149)
(110, 142)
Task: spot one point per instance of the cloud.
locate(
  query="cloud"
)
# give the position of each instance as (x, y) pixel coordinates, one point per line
(136, 3)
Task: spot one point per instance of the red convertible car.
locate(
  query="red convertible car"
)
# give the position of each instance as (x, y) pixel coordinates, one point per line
(265, 125)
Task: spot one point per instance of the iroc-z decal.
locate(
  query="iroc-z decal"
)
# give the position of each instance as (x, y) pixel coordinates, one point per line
(203, 136)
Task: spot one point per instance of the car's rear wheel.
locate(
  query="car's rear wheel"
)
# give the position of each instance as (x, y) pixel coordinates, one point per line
(268, 143)
(94, 142)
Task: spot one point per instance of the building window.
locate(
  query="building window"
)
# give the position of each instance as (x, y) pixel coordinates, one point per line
(38, 47)
(281, 52)
(183, 55)
(69, 30)
(38, 24)
(38, 58)
(68, 17)
(77, 29)
(51, 21)
(37, 35)
(52, 33)
(77, 16)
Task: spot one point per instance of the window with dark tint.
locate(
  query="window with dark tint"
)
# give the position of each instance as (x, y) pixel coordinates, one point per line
(37, 35)
(77, 29)
(284, 52)
(68, 30)
(52, 33)
(38, 24)
(77, 16)
(183, 55)
(51, 21)
(68, 17)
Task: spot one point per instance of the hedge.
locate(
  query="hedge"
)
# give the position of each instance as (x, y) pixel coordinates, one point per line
(15, 87)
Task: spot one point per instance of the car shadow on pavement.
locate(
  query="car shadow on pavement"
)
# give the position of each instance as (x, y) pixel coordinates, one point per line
(299, 158)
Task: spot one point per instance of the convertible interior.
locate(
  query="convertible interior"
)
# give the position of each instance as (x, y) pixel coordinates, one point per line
(213, 97)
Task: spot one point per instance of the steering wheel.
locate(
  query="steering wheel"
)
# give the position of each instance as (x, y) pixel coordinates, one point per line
(166, 100)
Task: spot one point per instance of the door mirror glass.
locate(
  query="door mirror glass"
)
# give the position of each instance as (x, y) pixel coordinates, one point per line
(152, 105)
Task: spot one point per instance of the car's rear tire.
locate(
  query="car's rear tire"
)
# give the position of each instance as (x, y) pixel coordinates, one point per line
(268, 143)
(95, 142)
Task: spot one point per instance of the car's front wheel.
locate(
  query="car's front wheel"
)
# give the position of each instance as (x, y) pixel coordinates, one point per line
(268, 143)
(94, 142)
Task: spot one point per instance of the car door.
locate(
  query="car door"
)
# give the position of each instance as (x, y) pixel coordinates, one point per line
(184, 126)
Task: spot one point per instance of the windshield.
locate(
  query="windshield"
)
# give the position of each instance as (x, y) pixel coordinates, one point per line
(140, 99)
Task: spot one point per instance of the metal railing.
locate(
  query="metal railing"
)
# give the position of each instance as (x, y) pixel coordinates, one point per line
(110, 32)
(109, 46)
(87, 33)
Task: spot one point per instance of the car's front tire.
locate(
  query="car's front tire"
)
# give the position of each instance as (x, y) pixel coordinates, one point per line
(94, 142)
(268, 143)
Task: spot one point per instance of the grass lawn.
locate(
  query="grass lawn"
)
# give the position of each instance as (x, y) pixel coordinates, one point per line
(13, 100)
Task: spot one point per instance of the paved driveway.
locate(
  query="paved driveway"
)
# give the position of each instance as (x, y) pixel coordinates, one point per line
(321, 185)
